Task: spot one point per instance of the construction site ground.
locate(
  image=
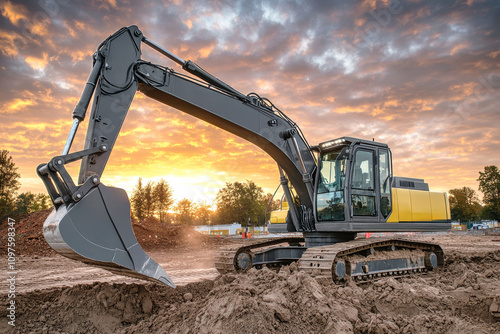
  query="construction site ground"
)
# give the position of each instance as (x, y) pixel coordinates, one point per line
(58, 295)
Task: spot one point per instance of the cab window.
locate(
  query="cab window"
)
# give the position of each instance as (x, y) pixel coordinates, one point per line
(363, 177)
(330, 196)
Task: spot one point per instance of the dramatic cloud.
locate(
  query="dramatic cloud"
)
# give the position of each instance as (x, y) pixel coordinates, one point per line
(422, 76)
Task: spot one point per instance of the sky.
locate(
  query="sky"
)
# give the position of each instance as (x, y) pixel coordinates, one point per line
(421, 76)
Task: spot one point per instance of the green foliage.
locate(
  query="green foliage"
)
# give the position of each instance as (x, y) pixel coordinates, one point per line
(153, 199)
(203, 214)
(464, 204)
(185, 211)
(9, 184)
(137, 201)
(149, 199)
(163, 198)
(243, 203)
(489, 185)
(28, 203)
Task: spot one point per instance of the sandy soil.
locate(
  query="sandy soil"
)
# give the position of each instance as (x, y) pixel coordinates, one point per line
(38, 273)
(57, 295)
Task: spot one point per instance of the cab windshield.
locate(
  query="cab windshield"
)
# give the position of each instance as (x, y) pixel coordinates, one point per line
(330, 197)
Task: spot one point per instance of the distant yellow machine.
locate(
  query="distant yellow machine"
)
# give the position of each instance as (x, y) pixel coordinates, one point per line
(279, 216)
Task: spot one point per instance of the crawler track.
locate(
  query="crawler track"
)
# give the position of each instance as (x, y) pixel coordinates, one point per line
(360, 260)
(367, 259)
(228, 258)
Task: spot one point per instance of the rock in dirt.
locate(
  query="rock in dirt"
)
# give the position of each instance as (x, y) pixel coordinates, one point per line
(188, 296)
(495, 308)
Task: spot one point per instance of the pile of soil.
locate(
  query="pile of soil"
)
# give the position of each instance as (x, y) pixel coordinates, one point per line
(155, 235)
(29, 236)
(150, 233)
(463, 298)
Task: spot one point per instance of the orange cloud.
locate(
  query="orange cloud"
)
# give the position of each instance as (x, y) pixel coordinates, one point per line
(16, 105)
(349, 109)
(37, 63)
(205, 52)
(458, 47)
(493, 54)
(188, 23)
(14, 12)
(8, 43)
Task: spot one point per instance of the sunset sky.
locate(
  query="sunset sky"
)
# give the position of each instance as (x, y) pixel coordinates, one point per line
(421, 76)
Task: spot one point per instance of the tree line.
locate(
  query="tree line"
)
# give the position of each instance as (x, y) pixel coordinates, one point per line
(240, 202)
(13, 205)
(464, 202)
(153, 199)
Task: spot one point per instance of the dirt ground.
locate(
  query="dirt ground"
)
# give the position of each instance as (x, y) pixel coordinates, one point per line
(57, 295)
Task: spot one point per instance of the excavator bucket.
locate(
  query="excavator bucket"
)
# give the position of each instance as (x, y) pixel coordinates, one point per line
(97, 230)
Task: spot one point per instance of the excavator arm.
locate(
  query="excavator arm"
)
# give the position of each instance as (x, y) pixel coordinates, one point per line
(91, 222)
(250, 117)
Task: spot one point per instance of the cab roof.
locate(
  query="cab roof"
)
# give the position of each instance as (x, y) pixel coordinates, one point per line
(343, 141)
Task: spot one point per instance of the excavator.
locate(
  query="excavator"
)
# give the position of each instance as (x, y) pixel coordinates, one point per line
(333, 190)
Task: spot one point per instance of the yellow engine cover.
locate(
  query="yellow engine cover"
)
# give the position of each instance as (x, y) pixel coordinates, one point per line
(418, 206)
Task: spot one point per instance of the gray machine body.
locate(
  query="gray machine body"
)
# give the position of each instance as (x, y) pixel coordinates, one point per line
(91, 222)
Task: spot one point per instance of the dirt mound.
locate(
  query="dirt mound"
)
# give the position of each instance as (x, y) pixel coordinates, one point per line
(95, 308)
(155, 235)
(29, 236)
(463, 298)
(150, 233)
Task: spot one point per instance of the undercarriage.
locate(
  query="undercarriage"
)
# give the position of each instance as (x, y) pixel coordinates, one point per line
(357, 260)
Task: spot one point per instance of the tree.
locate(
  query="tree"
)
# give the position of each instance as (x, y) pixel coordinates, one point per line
(137, 201)
(241, 202)
(185, 211)
(149, 199)
(203, 214)
(487, 213)
(464, 204)
(9, 184)
(163, 196)
(489, 185)
(43, 202)
(28, 203)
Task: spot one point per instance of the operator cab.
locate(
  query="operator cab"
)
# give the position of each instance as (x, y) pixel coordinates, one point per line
(354, 181)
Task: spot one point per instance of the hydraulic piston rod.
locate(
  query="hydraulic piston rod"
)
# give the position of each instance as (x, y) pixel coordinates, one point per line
(71, 136)
(83, 104)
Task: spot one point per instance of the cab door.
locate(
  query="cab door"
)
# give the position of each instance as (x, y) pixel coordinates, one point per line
(370, 186)
(363, 187)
